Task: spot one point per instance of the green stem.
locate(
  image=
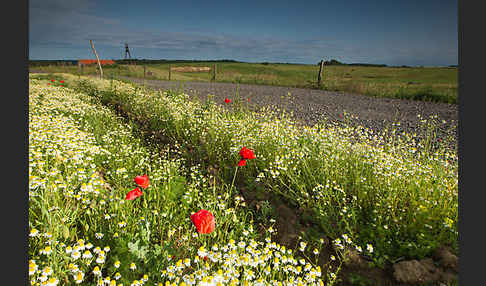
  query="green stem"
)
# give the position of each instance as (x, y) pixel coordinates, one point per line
(232, 183)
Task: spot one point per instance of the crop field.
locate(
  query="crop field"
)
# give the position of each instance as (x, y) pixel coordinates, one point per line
(132, 186)
(436, 84)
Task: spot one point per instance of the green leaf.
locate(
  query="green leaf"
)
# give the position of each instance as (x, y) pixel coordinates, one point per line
(139, 251)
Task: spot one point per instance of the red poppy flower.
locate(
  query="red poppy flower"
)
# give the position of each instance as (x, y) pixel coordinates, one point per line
(52, 80)
(61, 85)
(62, 81)
(242, 163)
(133, 194)
(248, 99)
(247, 153)
(227, 100)
(204, 221)
(48, 83)
(142, 181)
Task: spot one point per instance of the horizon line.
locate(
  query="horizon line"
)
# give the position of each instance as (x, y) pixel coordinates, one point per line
(259, 62)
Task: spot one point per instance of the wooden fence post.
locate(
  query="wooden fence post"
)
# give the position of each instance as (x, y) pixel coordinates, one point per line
(169, 71)
(143, 71)
(319, 76)
(97, 59)
(214, 72)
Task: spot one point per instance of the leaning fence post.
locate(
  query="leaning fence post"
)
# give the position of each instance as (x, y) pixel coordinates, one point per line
(214, 72)
(319, 76)
(97, 58)
(169, 71)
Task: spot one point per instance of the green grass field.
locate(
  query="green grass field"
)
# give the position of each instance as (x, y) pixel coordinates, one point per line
(425, 84)
(88, 140)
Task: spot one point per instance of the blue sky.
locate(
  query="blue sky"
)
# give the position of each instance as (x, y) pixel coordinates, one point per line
(406, 32)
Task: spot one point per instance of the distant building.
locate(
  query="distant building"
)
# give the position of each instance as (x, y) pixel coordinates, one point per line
(95, 62)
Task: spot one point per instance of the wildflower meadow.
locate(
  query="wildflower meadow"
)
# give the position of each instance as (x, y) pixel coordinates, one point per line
(131, 186)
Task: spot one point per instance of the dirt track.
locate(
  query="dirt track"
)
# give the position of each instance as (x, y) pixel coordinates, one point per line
(309, 105)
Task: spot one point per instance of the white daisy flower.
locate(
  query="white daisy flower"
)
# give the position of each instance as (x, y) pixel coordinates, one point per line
(78, 277)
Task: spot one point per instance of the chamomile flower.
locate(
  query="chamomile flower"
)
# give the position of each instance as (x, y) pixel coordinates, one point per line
(34, 232)
(99, 235)
(241, 244)
(303, 245)
(202, 251)
(43, 277)
(52, 281)
(32, 267)
(81, 245)
(97, 271)
(75, 254)
(78, 277)
(117, 264)
(133, 266)
(187, 262)
(73, 268)
(47, 250)
(100, 259)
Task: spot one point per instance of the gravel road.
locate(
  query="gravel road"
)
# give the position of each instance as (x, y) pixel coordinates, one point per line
(309, 105)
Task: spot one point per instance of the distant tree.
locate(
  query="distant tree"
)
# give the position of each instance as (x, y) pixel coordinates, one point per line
(331, 62)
